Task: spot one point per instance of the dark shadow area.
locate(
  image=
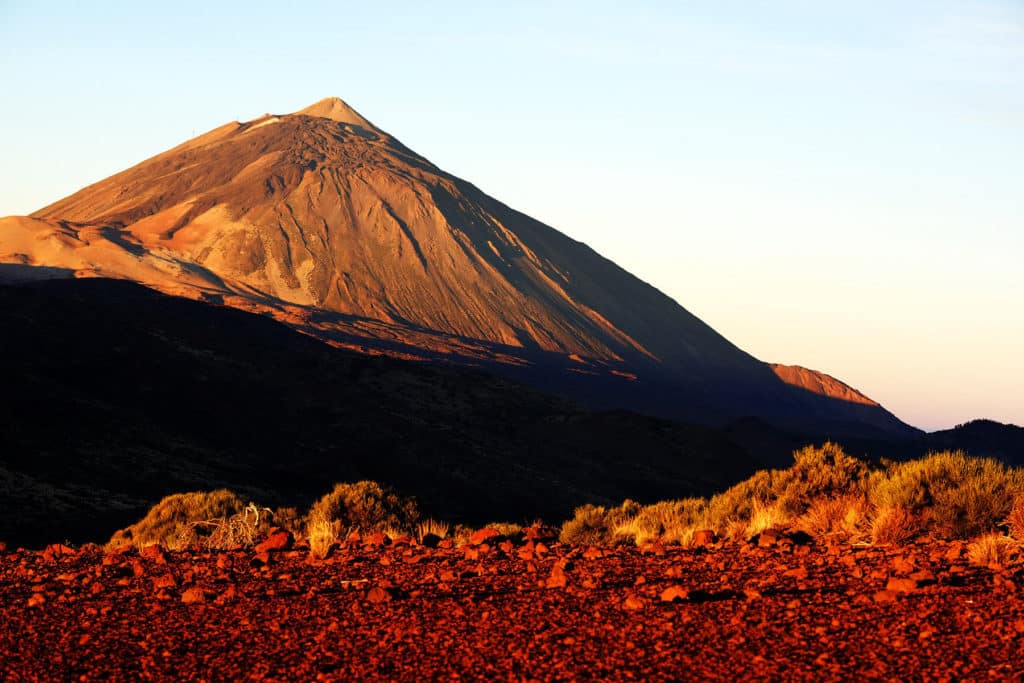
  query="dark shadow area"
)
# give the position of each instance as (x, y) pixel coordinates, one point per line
(115, 395)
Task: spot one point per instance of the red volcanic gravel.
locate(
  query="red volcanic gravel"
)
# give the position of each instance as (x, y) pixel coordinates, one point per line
(509, 611)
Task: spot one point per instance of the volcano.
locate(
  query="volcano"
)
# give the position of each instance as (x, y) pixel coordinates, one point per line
(327, 223)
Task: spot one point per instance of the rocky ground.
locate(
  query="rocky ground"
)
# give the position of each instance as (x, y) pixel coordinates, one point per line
(522, 609)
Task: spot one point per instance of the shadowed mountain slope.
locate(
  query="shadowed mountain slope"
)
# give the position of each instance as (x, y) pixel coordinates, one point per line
(115, 395)
(329, 224)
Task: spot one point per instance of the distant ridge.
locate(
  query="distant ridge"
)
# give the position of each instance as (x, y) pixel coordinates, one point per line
(819, 383)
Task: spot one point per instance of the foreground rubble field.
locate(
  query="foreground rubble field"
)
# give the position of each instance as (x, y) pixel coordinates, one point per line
(531, 609)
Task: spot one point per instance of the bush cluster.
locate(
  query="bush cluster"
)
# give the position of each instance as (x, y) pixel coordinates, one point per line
(825, 493)
(221, 519)
(828, 493)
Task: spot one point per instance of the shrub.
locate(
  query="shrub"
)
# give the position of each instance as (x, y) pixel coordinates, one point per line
(991, 550)
(842, 518)
(817, 473)
(243, 528)
(727, 509)
(322, 534)
(289, 519)
(957, 496)
(595, 524)
(774, 497)
(1015, 520)
(892, 525)
(432, 527)
(763, 516)
(508, 529)
(364, 506)
(828, 493)
(175, 522)
(672, 521)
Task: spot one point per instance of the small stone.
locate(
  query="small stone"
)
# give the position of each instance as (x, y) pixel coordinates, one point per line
(164, 581)
(36, 599)
(798, 573)
(3, 547)
(481, 536)
(923, 576)
(703, 537)
(768, 538)
(55, 551)
(655, 548)
(898, 585)
(674, 593)
(633, 603)
(376, 539)
(154, 553)
(228, 595)
(557, 579)
(884, 596)
(276, 541)
(193, 595)
(377, 595)
(902, 565)
(260, 558)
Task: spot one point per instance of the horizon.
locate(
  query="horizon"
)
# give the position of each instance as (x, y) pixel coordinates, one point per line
(879, 212)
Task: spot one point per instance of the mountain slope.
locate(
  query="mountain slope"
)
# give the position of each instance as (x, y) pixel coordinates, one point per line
(116, 395)
(329, 224)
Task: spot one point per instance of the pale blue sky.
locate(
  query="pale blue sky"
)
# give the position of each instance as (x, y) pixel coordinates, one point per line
(838, 185)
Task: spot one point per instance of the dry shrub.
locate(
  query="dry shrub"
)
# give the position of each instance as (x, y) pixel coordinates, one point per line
(991, 550)
(843, 518)
(893, 525)
(736, 530)
(957, 495)
(508, 529)
(365, 506)
(736, 505)
(595, 524)
(764, 516)
(432, 527)
(290, 519)
(243, 528)
(818, 472)
(322, 534)
(1015, 520)
(176, 521)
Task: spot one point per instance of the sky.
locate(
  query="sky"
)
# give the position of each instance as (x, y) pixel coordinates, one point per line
(833, 185)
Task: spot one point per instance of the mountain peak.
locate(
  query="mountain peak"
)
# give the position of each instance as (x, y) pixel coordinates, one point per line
(336, 109)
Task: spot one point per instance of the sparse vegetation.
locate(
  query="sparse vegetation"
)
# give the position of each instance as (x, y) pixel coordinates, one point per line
(322, 534)
(995, 550)
(180, 520)
(892, 525)
(828, 494)
(1015, 520)
(432, 527)
(365, 506)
